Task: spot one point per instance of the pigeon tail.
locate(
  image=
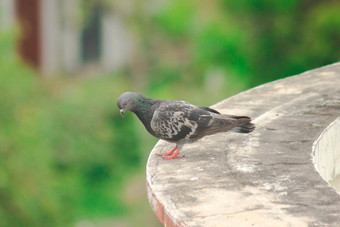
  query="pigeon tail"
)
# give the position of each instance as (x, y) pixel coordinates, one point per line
(245, 128)
(244, 124)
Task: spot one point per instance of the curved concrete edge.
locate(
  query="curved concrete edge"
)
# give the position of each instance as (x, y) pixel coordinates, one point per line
(267, 176)
(163, 215)
(326, 154)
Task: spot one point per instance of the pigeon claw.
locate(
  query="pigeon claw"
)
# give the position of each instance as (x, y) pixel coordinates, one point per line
(168, 153)
(173, 154)
(172, 157)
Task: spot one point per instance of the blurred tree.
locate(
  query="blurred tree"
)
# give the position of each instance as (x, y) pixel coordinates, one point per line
(27, 196)
(62, 147)
(249, 42)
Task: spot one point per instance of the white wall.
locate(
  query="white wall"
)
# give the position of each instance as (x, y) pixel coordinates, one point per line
(7, 13)
(116, 46)
(70, 36)
(61, 38)
(50, 36)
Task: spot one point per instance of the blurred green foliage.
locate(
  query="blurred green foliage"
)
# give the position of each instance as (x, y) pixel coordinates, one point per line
(250, 42)
(65, 152)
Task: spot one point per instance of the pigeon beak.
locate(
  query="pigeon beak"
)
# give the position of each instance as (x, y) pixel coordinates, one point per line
(122, 111)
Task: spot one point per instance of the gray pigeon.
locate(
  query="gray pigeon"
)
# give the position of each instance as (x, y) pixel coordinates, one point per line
(180, 122)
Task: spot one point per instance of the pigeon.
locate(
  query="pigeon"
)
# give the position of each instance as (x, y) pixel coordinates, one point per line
(180, 122)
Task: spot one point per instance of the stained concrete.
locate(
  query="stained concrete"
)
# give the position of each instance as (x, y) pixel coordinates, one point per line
(265, 178)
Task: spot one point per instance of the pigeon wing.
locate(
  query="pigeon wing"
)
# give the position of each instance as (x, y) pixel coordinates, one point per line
(209, 122)
(208, 109)
(176, 121)
(171, 121)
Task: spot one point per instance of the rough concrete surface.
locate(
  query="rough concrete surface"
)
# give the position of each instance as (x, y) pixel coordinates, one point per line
(265, 178)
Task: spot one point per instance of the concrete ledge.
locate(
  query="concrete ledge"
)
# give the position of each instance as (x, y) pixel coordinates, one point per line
(267, 177)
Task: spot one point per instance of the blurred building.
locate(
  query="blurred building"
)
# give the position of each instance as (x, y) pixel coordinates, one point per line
(52, 38)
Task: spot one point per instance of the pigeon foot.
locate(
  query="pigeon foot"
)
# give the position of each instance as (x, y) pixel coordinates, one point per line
(174, 155)
(168, 153)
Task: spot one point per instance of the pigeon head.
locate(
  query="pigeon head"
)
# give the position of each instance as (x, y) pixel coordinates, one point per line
(127, 101)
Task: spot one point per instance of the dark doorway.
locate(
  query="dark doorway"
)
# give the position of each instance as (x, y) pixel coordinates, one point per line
(91, 37)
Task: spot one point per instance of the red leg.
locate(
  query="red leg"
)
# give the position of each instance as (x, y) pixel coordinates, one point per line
(173, 156)
(168, 153)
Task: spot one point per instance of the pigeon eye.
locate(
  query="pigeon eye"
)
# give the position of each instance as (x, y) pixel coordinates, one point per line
(124, 104)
